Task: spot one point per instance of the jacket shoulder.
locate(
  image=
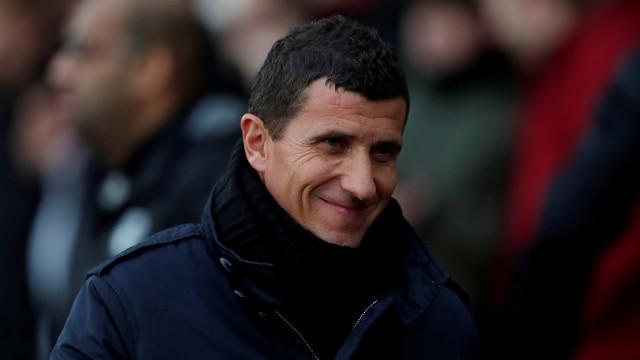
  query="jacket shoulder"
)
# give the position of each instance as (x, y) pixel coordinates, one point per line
(462, 294)
(163, 238)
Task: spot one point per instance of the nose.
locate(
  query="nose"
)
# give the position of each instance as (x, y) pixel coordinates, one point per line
(358, 178)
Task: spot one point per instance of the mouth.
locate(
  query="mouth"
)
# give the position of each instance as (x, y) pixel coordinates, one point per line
(353, 209)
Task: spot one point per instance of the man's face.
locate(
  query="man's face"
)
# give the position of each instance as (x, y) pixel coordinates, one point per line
(90, 70)
(334, 168)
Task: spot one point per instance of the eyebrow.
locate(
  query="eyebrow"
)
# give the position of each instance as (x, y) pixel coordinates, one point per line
(332, 134)
(390, 143)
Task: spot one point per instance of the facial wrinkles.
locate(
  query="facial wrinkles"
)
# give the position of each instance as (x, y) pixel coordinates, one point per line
(353, 162)
(362, 112)
(351, 112)
(305, 155)
(364, 132)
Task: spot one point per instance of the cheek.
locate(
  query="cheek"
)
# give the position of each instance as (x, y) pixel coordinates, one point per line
(279, 177)
(304, 179)
(385, 180)
(87, 91)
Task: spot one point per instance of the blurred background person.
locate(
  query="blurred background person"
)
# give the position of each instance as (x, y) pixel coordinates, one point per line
(566, 54)
(155, 110)
(578, 281)
(457, 142)
(28, 37)
(246, 29)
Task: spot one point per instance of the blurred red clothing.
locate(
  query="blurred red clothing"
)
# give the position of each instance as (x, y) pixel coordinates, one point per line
(557, 105)
(611, 314)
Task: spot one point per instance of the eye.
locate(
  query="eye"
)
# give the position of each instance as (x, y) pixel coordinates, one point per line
(333, 145)
(384, 153)
(333, 142)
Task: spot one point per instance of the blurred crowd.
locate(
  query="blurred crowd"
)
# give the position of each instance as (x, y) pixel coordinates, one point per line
(519, 165)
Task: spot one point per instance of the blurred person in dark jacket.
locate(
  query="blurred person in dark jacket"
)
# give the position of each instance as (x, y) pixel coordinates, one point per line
(565, 53)
(578, 281)
(28, 36)
(458, 141)
(546, 268)
(156, 117)
(301, 253)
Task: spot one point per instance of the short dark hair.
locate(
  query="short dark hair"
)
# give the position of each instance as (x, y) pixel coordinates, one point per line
(352, 57)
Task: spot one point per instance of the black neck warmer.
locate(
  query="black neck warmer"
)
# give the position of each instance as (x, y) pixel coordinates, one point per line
(322, 285)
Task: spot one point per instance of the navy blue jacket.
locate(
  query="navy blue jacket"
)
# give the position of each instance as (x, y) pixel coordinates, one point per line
(184, 294)
(170, 298)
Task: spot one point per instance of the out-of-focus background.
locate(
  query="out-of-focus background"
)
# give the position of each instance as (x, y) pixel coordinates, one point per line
(505, 97)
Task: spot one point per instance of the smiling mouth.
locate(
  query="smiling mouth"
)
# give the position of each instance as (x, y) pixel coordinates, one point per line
(352, 209)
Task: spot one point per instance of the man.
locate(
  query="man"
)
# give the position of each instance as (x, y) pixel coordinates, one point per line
(136, 83)
(302, 253)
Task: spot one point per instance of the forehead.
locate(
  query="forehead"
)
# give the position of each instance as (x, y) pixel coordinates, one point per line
(326, 108)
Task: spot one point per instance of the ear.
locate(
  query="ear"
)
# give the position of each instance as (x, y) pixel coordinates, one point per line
(256, 139)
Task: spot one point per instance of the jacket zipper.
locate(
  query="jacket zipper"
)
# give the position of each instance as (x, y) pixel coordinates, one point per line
(306, 343)
(299, 335)
(364, 312)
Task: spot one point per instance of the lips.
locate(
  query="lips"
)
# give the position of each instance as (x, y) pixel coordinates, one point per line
(349, 209)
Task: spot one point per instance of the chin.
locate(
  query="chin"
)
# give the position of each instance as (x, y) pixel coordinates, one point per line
(350, 241)
(342, 237)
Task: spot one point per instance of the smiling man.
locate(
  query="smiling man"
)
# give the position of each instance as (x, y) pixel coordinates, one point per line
(301, 253)
(334, 167)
